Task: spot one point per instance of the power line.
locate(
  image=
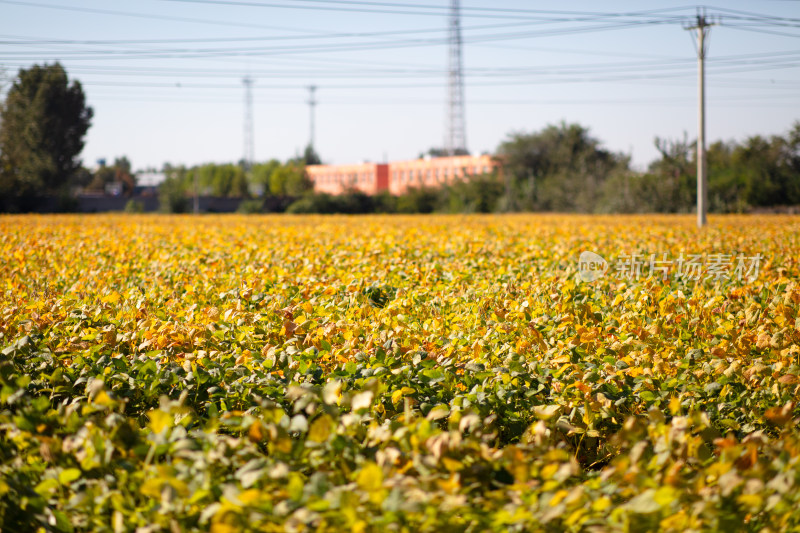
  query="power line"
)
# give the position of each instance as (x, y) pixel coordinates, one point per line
(758, 30)
(134, 14)
(16, 40)
(546, 73)
(574, 78)
(432, 71)
(421, 9)
(186, 53)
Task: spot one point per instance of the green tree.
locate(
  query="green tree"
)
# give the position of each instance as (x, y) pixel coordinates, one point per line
(218, 180)
(673, 185)
(172, 193)
(560, 168)
(125, 175)
(443, 152)
(760, 172)
(726, 183)
(310, 157)
(119, 172)
(289, 180)
(42, 125)
(771, 168)
(260, 174)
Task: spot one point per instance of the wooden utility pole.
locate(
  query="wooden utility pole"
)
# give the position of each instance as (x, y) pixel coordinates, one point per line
(702, 26)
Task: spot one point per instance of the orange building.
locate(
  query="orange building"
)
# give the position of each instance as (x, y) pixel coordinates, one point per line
(370, 178)
(397, 176)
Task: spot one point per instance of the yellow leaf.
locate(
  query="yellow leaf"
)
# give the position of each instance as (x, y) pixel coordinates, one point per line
(250, 496)
(220, 527)
(674, 405)
(69, 475)
(546, 412)
(159, 420)
(112, 298)
(295, 486)
(370, 477)
(549, 470)
(152, 487)
(400, 393)
(601, 504)
(320, 429)
(750, 500)
(451, 464)
(255, 433)
(557, 497)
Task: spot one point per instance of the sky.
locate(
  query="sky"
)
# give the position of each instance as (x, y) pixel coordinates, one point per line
(165, 77)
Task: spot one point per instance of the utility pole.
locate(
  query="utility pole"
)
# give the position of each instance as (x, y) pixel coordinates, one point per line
(312, 102)
(249, 144)
(196, 194)
(702, 26)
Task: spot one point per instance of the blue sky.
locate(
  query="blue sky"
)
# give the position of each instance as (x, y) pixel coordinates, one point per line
(165, 76)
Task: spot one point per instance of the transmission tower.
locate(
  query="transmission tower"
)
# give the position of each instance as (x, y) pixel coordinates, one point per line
(249, 143)
(311, 104)
(456, 136)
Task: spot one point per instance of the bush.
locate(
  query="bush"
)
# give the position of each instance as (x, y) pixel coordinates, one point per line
(313, 203)
(352, 202)
(66, 203)
(482, 194)
(418, 200)
(134, 206)
(384, 202)
(172, 197)
(251, 207)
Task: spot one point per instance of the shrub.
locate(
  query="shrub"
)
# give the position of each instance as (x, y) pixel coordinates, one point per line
(134, 206)
(250, 207)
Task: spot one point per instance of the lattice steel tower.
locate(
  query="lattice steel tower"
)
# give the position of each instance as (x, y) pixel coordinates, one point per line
(249, 143)
(456, 136)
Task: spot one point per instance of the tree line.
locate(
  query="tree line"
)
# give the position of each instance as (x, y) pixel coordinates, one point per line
(564, 168)
(44, 118)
